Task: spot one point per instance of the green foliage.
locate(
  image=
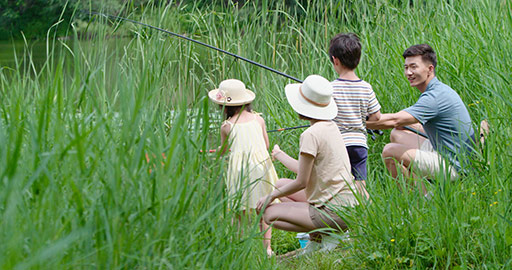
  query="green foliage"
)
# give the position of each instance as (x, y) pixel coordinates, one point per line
(77, 191)
(34, 18)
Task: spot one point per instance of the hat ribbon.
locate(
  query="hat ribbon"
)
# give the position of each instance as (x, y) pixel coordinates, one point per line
(311, 101)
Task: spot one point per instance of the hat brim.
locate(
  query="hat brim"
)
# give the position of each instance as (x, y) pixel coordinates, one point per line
(302, 106)
(249, 97)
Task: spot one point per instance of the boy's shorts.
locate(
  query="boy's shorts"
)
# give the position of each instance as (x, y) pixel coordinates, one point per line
(428, 163)
(358, 156)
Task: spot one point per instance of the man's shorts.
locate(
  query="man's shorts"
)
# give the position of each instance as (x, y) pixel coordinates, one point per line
(428, 163)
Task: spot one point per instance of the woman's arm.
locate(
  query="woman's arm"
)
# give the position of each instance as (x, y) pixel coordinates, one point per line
(306, 162)
(289, 162)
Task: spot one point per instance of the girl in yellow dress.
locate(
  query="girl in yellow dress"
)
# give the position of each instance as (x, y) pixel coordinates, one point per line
(251, 173)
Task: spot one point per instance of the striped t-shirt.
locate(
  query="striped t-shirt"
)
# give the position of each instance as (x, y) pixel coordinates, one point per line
(356, 100)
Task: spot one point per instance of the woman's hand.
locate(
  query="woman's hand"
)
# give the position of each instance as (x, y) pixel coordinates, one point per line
(276, 151)
(289, 162)
(264, 202)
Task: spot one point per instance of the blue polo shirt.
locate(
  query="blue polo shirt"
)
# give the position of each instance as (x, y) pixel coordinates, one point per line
(446, 121)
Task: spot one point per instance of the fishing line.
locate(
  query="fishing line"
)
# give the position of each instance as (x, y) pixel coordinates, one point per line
(193, 40)
(234, 55)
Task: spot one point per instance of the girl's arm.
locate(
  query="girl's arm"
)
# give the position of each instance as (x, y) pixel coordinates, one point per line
(289, 162)
(224, 133)
(305, 167)
(264, 128)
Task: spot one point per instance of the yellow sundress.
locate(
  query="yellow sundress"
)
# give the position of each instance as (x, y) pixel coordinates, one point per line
(250, 168)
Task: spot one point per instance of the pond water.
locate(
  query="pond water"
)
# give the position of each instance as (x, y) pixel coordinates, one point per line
(11, 50)
(36, 50)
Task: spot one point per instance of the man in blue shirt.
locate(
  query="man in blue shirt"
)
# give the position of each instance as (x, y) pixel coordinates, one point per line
(439, 112)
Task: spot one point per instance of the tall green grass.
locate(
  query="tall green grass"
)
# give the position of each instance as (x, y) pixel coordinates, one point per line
(76, 191)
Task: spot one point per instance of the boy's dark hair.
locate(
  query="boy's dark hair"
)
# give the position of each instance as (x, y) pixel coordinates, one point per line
(426, 52)
(347, 48)
(229, 111)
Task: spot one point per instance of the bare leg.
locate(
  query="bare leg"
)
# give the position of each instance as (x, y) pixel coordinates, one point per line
(289, 216)
(406, 137)
(264, 227)
(299, 196)
(239, 217)
(402, 148)
(398, 158)
(417, 127)
(398, 155)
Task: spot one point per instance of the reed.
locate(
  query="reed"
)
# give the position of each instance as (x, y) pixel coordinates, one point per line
(76, 191)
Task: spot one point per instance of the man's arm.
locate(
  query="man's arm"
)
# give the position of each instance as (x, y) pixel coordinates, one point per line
(374, 116)
(391, 120)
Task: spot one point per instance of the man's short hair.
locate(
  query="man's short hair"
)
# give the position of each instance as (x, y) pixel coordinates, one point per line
(347, 48)
(426, 52)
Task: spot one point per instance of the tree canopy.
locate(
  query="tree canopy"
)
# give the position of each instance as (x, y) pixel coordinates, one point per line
(33, 18)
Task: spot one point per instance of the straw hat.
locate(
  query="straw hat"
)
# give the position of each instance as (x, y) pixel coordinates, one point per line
(231, 92)
(312, 98)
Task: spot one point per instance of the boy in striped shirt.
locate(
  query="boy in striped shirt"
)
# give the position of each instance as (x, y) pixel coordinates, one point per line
(355, 99)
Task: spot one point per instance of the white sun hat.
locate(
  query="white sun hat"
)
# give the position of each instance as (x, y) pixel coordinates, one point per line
(231, 92)
(312, 98)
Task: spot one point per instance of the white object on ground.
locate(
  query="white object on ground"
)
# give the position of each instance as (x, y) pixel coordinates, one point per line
(311, 247)
(329, 243)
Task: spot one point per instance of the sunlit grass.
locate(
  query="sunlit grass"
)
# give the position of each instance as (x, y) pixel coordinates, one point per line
(76, 191)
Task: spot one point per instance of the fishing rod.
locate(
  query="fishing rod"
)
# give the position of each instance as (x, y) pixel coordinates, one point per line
(288, 128)
(422, 134)
(372, 132)
(195, 41)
